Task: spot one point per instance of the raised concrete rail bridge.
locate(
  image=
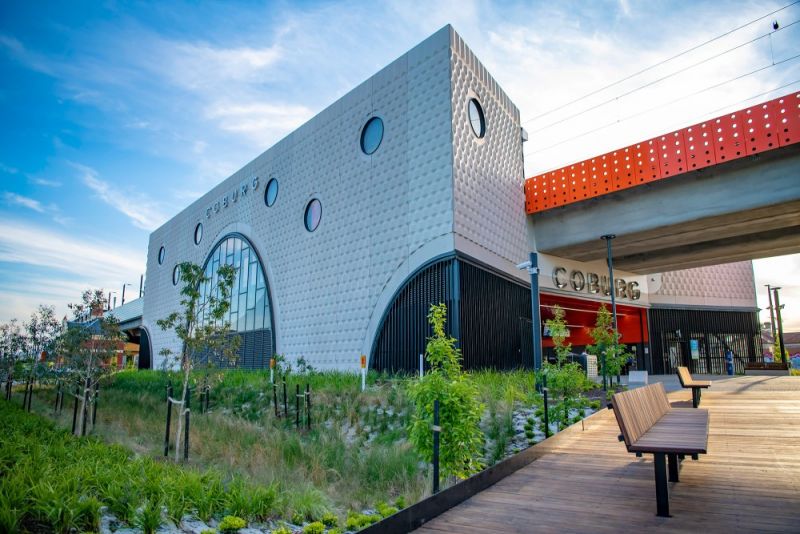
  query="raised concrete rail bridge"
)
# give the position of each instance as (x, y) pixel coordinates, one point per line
(724, 190)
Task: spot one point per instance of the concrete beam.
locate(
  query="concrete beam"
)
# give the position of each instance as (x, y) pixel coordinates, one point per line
(703, 212)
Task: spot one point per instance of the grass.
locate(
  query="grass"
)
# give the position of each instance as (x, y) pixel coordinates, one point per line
(353, 456)
(247, 463)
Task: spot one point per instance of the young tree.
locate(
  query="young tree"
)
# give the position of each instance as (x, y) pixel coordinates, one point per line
(459, 408)
(42, 330)
(13, 343)
(565, 378)
(86, 347)
(201, 325)
(606, 344)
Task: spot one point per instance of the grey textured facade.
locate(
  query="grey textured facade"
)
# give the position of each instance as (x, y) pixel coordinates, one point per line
(433, 189)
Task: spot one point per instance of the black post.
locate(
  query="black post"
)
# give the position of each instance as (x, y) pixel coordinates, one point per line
(94, 404)
(75, 409)
(169, 417)
(285, 403)
(781, 344)
(436, 429)
(85, 413)
(25, 393)
(297, 405)
(9, 381)
(536, 319)
(61, 401)
(275, 398)
(187, 411)
(308, 407)
(208, 396)
(603, 367)
(58, 394)
(771, 314)
(546, 415)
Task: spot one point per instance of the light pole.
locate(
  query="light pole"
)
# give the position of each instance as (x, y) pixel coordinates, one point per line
(771, 313)
(780, 323)
(532, 266)
(612, 289)
(123, 293)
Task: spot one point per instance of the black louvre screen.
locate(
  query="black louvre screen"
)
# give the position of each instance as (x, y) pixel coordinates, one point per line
(255, 351)
(493, 326)
(699, 339)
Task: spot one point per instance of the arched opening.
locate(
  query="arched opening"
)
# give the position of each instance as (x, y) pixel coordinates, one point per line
(250, 311)
(145, 360)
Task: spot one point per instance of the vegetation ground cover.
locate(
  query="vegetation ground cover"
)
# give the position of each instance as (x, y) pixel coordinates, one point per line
(354, 459)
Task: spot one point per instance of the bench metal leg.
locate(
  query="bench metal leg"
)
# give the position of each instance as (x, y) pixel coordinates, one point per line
(662, 489)
(674, 467)
(695, 397)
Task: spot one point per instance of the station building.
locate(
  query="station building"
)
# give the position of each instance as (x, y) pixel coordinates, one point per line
(408, 191)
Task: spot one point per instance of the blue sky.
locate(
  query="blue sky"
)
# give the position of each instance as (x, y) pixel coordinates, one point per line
(116, 115)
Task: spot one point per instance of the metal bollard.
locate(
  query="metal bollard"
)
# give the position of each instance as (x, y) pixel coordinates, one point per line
(436, 430)
(546, 415)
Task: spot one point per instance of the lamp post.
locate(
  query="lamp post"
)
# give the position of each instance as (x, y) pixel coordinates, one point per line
(532, 266)
(613, 290)
(771, 313)
(780, 323)
(123, 293)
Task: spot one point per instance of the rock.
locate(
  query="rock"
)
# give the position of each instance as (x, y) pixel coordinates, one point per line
(193, 525)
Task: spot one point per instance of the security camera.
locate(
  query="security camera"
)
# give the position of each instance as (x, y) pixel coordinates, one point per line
(524, 265)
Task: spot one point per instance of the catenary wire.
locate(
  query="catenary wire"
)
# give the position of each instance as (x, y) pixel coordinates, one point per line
(662, 62)
(649, 110)
(658, 80)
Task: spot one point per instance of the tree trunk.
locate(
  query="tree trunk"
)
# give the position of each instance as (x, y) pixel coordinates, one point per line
(182, 411)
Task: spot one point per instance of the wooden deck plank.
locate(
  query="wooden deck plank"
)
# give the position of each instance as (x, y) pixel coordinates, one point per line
(585, 480)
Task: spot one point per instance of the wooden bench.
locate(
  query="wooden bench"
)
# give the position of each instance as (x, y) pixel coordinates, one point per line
(688, 382)
(649, 424)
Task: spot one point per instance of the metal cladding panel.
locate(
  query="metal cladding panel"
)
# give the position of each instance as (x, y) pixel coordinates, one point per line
(488, 173)
(671, 153)
(788, 118)
(699, 142)
(753, 130)
(729, 137)
(377, 211)
(761, 128)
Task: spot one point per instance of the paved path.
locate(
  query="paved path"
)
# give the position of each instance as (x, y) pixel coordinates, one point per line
(585, 480)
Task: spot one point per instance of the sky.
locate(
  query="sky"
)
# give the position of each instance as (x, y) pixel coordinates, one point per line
(116, 115)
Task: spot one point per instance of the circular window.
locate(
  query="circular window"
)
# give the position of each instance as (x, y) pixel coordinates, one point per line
(161, 254)
(476, 119)
(313, 215)
(198, 233)
(176, 275)
(271, 192)
(372, 135)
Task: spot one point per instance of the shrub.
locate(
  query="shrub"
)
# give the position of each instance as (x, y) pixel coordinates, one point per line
(385, 510)
(330, 519)
(314, 528)
(400, 502)
(298, 518)
(231, 523)
(352, 523)
(529, 433)
(283, 529)
(459, 409)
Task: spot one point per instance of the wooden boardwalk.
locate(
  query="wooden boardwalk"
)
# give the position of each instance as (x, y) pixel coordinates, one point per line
(585, 481)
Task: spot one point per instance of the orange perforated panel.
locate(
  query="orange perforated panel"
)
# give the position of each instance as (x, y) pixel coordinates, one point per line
(787, 111)
(756, 129)
(699, 142)
(645, 159)
(671, 154)
(728, 138)
(760, 128)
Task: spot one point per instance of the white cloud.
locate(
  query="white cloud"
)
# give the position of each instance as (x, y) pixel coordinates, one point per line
(26, 202)
(143, 212)
(780, 271)
(72, 263)
(45, 182)
(8, 170)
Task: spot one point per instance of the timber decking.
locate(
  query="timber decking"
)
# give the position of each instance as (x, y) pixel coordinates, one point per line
(585, 481)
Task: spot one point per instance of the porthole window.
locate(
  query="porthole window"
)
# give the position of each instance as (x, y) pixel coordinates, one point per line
(476, 119)
(313, 215)
(198, 233)
(176, 275)
(372, 135)
(161, 254)
(271, 192)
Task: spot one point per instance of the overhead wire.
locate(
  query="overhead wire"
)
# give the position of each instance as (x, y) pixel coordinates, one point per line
(684, 97)
(662, 62)
(659, 80)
